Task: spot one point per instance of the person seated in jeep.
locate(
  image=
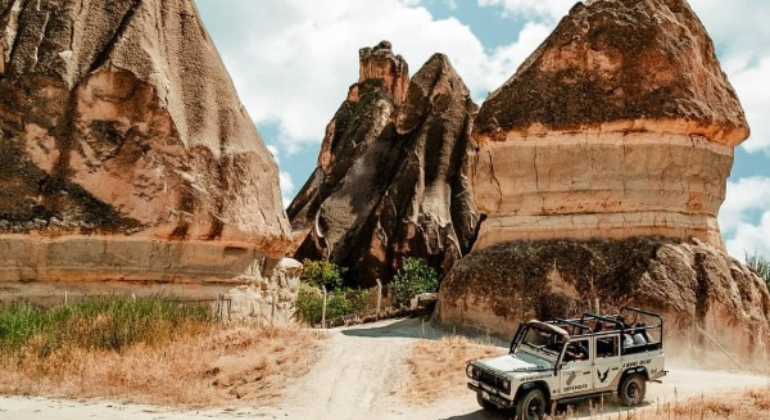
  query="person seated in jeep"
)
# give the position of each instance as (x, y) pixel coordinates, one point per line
(576, 352)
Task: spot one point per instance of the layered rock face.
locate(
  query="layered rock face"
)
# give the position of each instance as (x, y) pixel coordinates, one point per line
(496, 288)
(125, 153)
(392, 178)
(602, 166)
(621, 124)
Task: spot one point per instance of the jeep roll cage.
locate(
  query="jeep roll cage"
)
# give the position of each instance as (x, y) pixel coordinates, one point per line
(581, 329)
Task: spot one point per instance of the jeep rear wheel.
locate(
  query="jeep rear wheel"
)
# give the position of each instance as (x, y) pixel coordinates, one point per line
(632, 390)
(531, 406)
(486, 405)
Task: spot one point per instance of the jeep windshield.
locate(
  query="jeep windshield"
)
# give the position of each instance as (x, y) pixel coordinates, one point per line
(543, 343)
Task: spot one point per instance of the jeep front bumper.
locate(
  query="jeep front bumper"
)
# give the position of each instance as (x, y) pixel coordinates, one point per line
(491, 395)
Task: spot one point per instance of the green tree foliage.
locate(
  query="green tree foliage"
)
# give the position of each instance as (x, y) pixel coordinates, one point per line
(760, 265)
(340, 300)
(414, 278)
(323, 273)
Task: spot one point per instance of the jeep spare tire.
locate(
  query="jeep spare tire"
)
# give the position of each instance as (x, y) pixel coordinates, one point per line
(632, 390)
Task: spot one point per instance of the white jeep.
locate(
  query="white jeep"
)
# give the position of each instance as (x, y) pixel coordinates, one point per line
(567, 360)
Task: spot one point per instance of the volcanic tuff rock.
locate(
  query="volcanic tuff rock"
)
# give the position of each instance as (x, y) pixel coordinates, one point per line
(392, 177)
(125, 153)
(621, 124)
(495, 288)
(617, 132)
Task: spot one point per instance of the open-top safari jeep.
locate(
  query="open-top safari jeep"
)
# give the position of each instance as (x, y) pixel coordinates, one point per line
(566, 360)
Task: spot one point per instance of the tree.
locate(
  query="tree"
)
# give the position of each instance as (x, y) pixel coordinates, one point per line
(760, 265)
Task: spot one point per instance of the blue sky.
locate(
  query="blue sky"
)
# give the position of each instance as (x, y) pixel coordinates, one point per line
(293, 60)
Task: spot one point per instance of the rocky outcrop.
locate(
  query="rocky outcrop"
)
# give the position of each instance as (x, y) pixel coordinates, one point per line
(125, 153)
(601, 169)
(621, 124)
(392, 178)
(496, 288)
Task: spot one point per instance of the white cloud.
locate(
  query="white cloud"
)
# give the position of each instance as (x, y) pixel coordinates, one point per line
(287, 188)
(543, 10)
(747, 199)
(293, 60)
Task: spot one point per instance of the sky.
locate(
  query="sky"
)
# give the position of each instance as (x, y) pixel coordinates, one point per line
(292, 62)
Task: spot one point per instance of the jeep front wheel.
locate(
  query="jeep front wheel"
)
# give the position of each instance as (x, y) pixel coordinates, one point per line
(531, 406)
(632, 390)
(486, 405)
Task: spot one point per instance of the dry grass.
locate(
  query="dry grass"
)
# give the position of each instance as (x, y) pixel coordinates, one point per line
(437, 368)
(209, 365)
(754, 404)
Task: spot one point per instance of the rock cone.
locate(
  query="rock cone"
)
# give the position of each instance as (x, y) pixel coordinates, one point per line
(601, 169)
(392, 179)
(125, 153)
(621, 124)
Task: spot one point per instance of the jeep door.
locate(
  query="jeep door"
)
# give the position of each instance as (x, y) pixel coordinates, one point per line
(575, 376)
(606, 361)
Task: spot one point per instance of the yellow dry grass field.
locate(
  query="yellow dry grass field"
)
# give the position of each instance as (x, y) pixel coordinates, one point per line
(437, 368)
(215, 365)
(737, 405)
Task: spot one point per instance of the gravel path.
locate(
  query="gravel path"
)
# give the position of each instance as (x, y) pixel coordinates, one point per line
(357, 376)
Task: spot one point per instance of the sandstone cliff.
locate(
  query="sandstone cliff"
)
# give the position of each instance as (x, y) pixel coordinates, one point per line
(496, 288)
(621, 124)
(125, 153)
(392, 177)
(601, 169)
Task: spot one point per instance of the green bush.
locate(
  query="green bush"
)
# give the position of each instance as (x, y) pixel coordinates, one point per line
(323, 273)
(112, 323)
(341, 302)
(414, 278)
(760, 265)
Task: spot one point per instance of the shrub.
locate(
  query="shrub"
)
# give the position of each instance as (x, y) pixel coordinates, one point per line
(760, 265)
(341, 302)
(112, 323)
(414, 278)
(323, 273)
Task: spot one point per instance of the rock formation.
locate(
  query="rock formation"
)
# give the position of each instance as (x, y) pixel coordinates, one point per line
(125, 153)
(494, 289)
(621, 124)
(601, 168)
(392, 177)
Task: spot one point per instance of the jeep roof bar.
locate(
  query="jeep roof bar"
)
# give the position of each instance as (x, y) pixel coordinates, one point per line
(604, 318)
(643, 312)
(572, 323)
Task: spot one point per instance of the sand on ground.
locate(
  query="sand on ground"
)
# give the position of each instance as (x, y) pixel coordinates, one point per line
(357, 376)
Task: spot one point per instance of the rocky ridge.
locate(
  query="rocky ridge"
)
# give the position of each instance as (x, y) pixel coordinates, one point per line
(125, 153)
(601, 168)
(392, 179)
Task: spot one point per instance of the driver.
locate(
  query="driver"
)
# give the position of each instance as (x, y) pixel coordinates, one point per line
(575, 352)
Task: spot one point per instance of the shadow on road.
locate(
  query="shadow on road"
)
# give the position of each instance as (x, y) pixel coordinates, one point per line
(417, 328)
(481, 415)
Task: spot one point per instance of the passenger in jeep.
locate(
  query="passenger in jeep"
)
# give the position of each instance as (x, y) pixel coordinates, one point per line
(576, 352)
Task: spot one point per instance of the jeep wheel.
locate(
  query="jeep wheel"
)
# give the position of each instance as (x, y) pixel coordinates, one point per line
(632, 390)
(486, 405)
(531, 406)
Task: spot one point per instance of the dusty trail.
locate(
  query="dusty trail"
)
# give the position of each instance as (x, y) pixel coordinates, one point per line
(357, 375)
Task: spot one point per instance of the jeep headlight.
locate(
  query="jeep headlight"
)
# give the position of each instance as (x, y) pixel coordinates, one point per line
(470, 371)
(507, 385)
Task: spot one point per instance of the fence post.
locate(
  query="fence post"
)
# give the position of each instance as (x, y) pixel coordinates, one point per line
(597, 306)
(379, 297)
(66, 299)
(272, 314)
(323, 310)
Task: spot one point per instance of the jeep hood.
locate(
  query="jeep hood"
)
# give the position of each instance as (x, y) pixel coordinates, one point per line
(516, 363)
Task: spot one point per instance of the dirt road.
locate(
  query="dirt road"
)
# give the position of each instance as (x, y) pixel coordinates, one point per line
(357, 376)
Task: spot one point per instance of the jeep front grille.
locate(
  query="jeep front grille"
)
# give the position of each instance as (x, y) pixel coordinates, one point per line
(491, 379)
